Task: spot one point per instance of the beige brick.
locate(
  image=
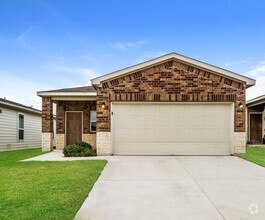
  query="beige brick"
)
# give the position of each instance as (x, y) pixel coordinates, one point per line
(47, 141)
(103, 143)
(239, 143)
(60, 141)
(90, 138)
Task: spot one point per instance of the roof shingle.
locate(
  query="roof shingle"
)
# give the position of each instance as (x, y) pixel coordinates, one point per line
(74, 89)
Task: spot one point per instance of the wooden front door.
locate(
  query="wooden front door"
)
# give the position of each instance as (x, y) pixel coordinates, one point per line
(256, 128)
(74, 127)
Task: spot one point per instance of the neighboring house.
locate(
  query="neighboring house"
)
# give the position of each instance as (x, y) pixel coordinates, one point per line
(256, 120)
(171, 105)
(20, 126)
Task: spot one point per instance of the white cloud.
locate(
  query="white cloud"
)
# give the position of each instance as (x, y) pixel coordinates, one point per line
(129, 44)
(257, 73)
(21, 37)
(238, 62)
(35, 99)
(88, 57)
(60, 67)
(150, 55)
(20, 90)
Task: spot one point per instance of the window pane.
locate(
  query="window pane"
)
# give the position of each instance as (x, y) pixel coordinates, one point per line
(21, 121)
(93, 126)
(21, 134)
(93, 116)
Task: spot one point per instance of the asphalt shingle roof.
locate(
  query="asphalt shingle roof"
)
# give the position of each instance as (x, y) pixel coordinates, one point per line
(74, 89)
(18, 105)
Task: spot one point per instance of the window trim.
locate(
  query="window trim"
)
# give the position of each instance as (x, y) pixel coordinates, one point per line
(90, 123)
(22, 129)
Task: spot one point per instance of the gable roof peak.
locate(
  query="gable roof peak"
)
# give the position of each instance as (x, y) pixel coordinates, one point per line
(183, 59)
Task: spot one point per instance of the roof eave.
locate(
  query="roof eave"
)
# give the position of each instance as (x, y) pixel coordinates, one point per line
(256, 101)
(21, 108)
(66, 94)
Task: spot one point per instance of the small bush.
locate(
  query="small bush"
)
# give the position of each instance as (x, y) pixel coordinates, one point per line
(80, 149)
(73, 150)
(84, 145)
(91, 152)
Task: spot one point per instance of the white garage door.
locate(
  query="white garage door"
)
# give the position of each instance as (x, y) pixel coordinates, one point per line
(172, 129)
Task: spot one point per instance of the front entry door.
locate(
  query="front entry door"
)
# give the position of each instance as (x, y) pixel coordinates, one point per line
(256, 128)
(74, 127)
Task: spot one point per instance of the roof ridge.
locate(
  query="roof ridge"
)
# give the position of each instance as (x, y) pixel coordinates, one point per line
(19, 104)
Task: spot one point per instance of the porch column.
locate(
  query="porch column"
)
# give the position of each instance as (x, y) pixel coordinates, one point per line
(47, 124)
(263, 125)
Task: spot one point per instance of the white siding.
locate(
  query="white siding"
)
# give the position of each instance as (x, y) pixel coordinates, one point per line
(9, 130)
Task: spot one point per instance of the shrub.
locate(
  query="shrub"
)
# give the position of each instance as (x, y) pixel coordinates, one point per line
(84, 145)
(91, 152)
(73, 150)
(80, 149)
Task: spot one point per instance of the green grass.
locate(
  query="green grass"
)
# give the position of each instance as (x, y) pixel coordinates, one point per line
(255, 155)
(44, 190)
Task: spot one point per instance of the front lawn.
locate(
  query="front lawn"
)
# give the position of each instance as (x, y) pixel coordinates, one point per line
(44, 190)
(255, 155)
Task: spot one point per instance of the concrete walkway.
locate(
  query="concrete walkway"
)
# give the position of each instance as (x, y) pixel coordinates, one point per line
(171, 187)
(57, 155)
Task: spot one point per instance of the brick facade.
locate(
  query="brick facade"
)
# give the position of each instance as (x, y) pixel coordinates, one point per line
(170, 81)
(47, 115)
(84, 106)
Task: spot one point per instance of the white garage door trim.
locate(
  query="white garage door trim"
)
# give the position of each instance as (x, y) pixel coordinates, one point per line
(228, 104)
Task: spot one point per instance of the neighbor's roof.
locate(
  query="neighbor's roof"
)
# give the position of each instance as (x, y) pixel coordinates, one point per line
(196, 63)
(256, 101)
(18, 106)
(75, 91)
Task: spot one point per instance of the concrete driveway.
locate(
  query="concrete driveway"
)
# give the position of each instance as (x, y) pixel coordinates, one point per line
(177, 187)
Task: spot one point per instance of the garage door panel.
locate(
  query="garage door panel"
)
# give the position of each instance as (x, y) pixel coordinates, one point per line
(155, 148)
(185, 129)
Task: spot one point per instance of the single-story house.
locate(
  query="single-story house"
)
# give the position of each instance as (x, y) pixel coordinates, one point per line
(171, 105)
(256, 120)
(20, 126)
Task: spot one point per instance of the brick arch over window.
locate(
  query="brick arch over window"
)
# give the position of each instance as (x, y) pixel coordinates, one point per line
(171, 82)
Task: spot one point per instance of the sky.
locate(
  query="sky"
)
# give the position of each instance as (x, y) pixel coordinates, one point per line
(50, 44)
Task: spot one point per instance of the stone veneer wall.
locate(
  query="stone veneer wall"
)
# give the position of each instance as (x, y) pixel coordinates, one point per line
(104, 143)
(171, 81)
(90, 138)
(47, 141)
(240, 139)
(60, 141)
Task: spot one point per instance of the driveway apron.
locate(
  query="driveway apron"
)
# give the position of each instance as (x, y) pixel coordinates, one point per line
(177, 187)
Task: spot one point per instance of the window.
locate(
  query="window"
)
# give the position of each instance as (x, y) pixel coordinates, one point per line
(20, 127)
(93, 121)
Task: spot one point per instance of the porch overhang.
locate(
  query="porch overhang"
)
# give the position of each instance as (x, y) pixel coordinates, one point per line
(256, 101)
(86, 93)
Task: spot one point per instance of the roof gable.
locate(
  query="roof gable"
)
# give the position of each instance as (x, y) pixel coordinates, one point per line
(171, 76)
(180, 58)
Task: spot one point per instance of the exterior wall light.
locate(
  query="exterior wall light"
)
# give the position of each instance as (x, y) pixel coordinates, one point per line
(103, 104)
(241, 105)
